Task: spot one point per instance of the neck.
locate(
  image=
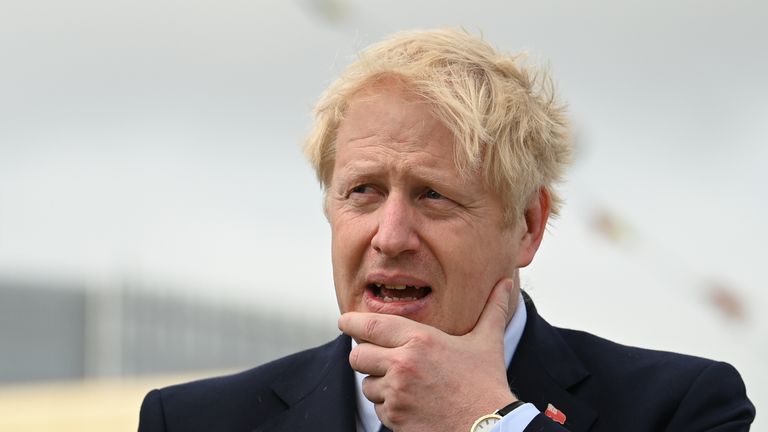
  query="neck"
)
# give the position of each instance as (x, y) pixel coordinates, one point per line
(515, 294)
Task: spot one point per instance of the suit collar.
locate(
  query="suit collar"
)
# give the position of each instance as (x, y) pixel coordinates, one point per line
(320, 395)
(544, 369)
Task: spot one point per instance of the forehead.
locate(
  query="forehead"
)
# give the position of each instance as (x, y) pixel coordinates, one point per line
(389, 106)
(387, 117)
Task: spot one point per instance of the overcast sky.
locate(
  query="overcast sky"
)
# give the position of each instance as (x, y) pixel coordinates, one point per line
(159, 141)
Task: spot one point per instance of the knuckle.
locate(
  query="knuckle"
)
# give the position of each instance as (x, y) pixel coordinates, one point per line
(422, 340)
(403, 371)
(370, 328)
(396, 417)
(400, 387)
(354, 357)
(366, 388)
(395, 410)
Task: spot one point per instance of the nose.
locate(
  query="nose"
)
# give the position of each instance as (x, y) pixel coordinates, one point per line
(396, 232)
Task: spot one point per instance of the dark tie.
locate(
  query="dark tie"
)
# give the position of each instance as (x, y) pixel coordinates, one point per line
(385, 429)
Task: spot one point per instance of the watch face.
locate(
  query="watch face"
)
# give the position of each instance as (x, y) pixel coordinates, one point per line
(486, 423)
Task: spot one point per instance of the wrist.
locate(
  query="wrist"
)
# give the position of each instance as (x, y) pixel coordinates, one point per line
(495, 401)
(509, 408)
(488, 421)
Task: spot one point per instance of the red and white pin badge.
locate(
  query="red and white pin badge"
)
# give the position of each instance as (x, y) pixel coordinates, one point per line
(555, 414)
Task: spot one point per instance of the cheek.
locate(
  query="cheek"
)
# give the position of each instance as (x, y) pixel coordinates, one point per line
(349, 242)
(343, 274)
(473, 267)
(348, 249)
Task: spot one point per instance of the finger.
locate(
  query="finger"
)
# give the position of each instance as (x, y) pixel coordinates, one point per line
(373, 389)
(370, 359)
(388, 331)
(381, 413)
(498, 310)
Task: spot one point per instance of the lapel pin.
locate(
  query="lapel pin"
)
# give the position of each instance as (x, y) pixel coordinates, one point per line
(555, 414)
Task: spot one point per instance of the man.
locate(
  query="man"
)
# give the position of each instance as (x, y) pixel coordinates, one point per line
(438, 157)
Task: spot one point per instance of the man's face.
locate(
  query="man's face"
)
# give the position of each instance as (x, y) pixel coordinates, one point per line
(412, 237)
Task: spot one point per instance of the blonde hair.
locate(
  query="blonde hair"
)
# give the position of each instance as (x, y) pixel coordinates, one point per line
(503, 115)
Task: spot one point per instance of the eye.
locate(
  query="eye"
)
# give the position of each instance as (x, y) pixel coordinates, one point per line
(361, 189)
(364, 194)
(434, 201)
(432, 194)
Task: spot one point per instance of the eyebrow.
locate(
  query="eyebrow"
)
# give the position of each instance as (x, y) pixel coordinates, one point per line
(362, 170)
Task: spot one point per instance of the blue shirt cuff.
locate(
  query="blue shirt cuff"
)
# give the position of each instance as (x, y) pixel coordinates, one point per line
(517, 420)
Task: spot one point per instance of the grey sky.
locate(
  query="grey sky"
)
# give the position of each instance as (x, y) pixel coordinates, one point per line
(160, 141)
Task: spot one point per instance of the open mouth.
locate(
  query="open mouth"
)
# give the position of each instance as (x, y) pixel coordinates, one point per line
(398, 293)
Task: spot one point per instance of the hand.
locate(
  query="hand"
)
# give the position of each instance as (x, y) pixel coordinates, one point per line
(422, 379)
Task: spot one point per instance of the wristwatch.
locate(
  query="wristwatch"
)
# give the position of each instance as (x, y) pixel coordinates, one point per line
(486, 422)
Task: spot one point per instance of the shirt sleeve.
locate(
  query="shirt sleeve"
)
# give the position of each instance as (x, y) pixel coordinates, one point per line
(517, 420)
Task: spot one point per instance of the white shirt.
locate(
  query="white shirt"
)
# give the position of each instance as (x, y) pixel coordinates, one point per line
(516, 421)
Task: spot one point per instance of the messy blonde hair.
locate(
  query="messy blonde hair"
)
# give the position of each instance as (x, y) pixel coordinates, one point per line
(503, 114)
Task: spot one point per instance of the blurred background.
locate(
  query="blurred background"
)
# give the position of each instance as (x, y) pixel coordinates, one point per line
(158, 222)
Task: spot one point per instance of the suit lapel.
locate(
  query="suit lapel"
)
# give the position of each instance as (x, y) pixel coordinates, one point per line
(544, 369)
(320, 397)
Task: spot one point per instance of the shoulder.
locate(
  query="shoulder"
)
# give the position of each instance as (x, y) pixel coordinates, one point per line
(614, 358)
(611, 364)
(676, 390)
(244, 397)
(245, 382)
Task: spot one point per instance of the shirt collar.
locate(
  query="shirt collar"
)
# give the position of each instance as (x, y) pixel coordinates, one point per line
(367, 421)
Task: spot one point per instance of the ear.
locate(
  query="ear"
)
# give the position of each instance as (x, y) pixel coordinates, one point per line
(533, 225)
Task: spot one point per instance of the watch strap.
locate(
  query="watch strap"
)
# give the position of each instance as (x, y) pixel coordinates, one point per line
(509, 408)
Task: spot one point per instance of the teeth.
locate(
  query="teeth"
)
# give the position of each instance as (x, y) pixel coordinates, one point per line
(393, 299)
(394, 287)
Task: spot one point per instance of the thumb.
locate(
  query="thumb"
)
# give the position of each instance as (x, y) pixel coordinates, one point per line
(498, 310)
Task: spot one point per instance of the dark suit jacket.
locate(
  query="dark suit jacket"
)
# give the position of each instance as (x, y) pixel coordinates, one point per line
(599, 385)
